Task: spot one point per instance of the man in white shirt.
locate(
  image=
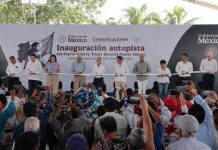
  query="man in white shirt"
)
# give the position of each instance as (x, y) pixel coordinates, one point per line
(184, 68)
(13, 70)
(121, 70)
(33, 68)
(110, 106)
(209, 67)
(188, 127)
(98, 70)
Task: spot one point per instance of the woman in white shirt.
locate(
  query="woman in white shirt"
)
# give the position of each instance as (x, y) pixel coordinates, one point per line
(98, 70)
(163, 78)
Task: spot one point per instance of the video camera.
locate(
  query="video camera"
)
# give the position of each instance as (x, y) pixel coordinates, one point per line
(206, 93)
(68, 95)
(135, 99)
(180, 88)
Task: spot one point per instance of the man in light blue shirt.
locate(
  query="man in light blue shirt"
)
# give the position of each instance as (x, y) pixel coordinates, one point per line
(78, 68)
(203, 114)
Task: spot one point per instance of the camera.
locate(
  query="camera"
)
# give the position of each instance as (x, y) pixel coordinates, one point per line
(135, 99)
(67, 96)
(206, 93)
(40, 88)
(181, 89)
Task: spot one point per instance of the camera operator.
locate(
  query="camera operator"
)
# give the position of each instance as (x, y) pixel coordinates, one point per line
(62, 121)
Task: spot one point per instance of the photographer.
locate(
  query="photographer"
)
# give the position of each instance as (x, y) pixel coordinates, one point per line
(62, 121)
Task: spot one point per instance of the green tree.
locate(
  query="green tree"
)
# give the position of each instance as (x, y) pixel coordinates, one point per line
(140, 16)
(177, 16)
(56, 11)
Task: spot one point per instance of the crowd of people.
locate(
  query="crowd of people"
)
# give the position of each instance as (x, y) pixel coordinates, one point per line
(88, 118)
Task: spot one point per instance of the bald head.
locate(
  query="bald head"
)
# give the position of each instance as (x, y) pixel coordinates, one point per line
(142, 57)
(209, 55)
(79, 58)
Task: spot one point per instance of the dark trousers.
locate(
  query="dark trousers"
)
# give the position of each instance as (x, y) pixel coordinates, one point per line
(32, 84)
(13, 81)
(182, 80)
(42, 145)
(98, 81)
(209, 81)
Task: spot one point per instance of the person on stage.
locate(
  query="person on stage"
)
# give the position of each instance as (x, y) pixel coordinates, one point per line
(98, 69)
(141, 67)
(13, 70)
(209, 67)
(163, 78)
(33, 68)
(184, 68)
(120, 70)
(53, 68)
(78, 68)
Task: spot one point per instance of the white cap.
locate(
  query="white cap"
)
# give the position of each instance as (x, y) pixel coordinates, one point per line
(188, 124)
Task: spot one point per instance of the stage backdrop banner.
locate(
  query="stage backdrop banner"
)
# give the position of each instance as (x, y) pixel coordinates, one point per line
(107, 42)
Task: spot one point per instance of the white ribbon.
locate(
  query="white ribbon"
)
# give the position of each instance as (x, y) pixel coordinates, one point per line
(70, 74)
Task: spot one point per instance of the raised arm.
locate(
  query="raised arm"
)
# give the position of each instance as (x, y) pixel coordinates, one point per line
(198, 99)
(155, 115)
(147, 124)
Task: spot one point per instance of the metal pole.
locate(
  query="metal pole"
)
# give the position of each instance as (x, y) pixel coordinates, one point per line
(34, 13)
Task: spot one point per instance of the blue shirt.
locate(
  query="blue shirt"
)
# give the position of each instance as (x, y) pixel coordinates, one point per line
(206, 132)
(5, 115)
(52, 67)
(158, 136)
(78, 67)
